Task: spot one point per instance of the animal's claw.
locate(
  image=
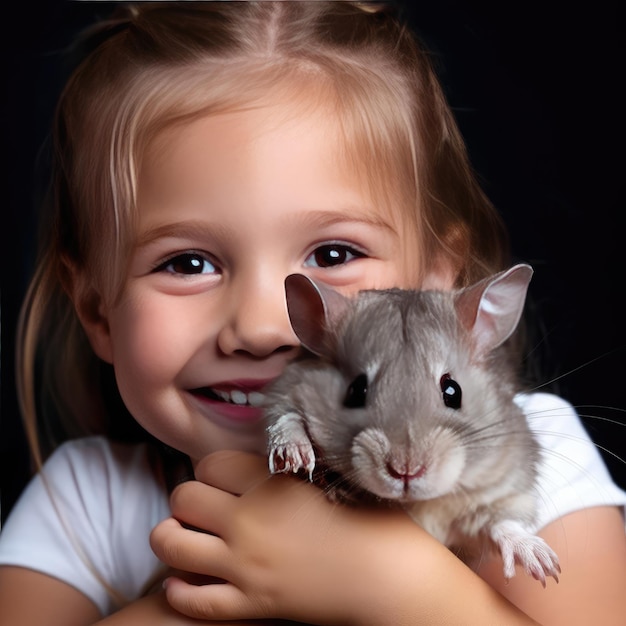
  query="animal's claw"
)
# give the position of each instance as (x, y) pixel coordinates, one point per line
(292, 457)
(519, 547)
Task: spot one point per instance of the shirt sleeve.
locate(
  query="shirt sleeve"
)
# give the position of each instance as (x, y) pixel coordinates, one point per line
(572, 473)
(86, 518)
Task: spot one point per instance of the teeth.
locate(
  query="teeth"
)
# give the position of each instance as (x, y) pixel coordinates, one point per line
(236, 396)
(255, 398)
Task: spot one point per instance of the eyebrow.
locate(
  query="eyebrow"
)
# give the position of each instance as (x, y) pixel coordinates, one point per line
(355, 215)
(189, 229)
(198, 229)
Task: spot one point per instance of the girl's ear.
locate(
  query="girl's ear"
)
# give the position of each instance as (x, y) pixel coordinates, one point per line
(91, 311)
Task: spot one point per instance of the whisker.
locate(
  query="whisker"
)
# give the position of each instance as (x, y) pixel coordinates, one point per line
(581, 440)
(578, 368)
(578, 407)
(601, 406)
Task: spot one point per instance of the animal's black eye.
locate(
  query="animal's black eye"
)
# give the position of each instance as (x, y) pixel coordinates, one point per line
(451, 392)
(356, 393)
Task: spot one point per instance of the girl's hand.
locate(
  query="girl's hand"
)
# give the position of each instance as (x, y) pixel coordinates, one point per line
(283, 549)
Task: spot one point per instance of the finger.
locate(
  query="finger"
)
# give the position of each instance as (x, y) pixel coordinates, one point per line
(233, 471)
(200, 506)
(211, 602)
(189, 550)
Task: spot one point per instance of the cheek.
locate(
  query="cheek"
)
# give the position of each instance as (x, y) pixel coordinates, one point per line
(139, 344)
(404, 272)
(151, 341)
(440, 279)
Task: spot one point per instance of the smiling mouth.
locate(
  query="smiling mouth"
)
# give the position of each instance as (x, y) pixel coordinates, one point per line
(237, 397)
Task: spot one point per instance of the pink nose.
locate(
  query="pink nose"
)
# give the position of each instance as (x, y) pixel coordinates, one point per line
(407, 472)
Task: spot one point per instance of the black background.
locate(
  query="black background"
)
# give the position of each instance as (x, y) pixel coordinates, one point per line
(537, 91)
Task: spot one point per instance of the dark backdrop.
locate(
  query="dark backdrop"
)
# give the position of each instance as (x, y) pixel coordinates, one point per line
(536, 87)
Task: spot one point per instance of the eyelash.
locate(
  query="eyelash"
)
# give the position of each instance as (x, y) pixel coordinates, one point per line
(340, 251)
(199, 259)
(336, 255)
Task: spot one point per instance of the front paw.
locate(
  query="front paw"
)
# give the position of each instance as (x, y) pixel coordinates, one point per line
(519, 547)
(538, 559)
(292, 457)
(289, 447)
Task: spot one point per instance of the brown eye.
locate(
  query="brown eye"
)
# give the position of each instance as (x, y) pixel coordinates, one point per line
(187, 263)
(451, 392)
(356, 393)
(331, 255)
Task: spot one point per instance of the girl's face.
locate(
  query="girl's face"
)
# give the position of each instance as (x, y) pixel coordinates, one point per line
(229, 205)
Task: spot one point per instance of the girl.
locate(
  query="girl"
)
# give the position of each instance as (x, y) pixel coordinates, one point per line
(203, 151)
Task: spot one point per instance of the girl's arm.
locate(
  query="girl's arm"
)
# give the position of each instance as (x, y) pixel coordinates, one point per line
(154, 610)
(30, 598)
(286, 551)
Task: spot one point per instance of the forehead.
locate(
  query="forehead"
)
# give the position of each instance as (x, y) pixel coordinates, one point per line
(276, 158)
(251, 136)
(308, 110)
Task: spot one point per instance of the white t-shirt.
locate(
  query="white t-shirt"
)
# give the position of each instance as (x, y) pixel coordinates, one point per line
(109, 500)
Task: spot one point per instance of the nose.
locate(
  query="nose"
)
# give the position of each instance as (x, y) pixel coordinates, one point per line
(257, 321)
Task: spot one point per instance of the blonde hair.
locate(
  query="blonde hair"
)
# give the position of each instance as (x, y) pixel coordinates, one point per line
(155, 65)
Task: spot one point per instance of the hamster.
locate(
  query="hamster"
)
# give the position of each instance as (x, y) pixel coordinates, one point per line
(407, 397)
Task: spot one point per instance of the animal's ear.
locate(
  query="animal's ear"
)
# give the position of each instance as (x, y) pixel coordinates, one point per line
(312, 309)
(491, 309)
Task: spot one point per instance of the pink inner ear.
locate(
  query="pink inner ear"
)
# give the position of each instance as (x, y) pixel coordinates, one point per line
(312, 308)
(491, 309)
(466, 304)
(306, 311)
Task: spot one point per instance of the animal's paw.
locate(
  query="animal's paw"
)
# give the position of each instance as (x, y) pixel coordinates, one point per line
(289, 447)
(519, 547)
(292, 457)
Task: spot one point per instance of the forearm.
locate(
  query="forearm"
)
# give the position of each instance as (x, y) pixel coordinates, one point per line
(153, 610)
(428, 585)
(410, 579)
